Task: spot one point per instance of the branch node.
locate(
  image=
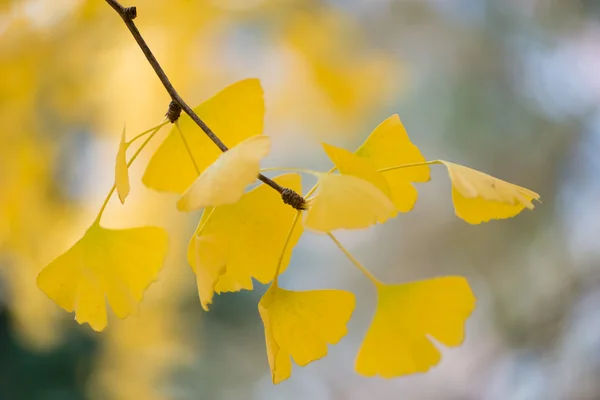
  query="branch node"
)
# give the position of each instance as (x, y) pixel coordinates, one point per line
(293, 199)
(130, 12)
(174, 111)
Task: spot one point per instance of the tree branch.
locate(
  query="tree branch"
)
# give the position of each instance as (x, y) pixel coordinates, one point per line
(128, 14)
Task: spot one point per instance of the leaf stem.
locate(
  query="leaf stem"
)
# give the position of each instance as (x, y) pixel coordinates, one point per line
(401, 166)
(354, 261)
(312, 190)
(135, 155)
(136, 137)
(285, 169)
(187, 147)
(285, 245)
(201, 228)
(395, 167)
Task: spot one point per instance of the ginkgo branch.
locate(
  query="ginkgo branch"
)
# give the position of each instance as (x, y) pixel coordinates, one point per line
(128, 14)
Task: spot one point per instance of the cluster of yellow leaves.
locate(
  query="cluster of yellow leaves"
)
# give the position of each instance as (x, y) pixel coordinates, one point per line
(30, 209)
(247, 235)
(241, 241)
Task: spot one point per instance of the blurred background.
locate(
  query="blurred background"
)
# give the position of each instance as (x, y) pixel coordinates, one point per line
(509, 87)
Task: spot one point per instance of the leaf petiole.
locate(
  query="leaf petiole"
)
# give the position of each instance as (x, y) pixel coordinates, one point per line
(133, 157)
(401, 166)
(187, 147)
(354, 261)
(285, 245)
(201, 228)
(392, 168)
(301, 170)
(312, 190)
(132, 140)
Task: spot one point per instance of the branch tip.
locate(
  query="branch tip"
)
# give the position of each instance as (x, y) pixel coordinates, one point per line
(130, 12)
(293, 199)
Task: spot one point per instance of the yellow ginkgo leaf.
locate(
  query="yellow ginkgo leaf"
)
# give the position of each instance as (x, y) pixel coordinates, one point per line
(121, 170)
(234, 114)
(387, 146)
(225, 180)
(237, 242)
(349, 163)
(347, 202)
(106, 264)
(479, 197)
(301, 324)
(396, 342)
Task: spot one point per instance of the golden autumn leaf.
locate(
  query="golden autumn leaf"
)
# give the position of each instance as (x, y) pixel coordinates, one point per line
(225, 180)
(105, 264)
(387, 146)
(301, 324)
(396, 342)
(479, 197)
(121, 170)
(349, 163)
(347, 202)
(234, 114)
(237, 242)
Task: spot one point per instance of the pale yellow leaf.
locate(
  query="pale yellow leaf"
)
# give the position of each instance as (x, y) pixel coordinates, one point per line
(350, 164)
(387, 146)
(225, 180)
(347, 202)
(479, 197)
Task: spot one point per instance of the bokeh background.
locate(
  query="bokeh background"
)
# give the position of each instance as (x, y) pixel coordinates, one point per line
(509, 87)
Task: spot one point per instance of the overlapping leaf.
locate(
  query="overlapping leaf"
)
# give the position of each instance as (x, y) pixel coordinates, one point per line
(234, 114)
(301, 324)
(396, 343)
(349, 163)
(225, 180)
(387, 146)
(106, 264)
(479, 197)
(347, 202)
(241, 241)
